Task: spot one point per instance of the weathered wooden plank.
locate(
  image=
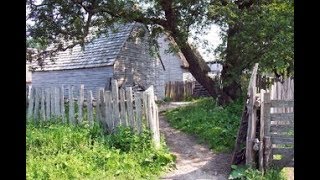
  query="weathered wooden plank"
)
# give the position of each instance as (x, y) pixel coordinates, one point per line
(115, 103)
(57, 101)
(108, 110)
(52, 103)
(138, 99)
(282, 163)
(48, 112)
(267, 151)
(286, 157)
(251, 132)
(281, 128)
(123, 112)
(71, 106)
(282, 116)
(283, 141)
(37, 104)
(130, 107)
(31, 104)
(152, 116)
(90, 108)
(282, 103)
(98, 106)
(261, 167)
(157, 138)
(42, 110)
(102, 107)
(145, 108)
(62, 105)
(288, 152)
(80, 103)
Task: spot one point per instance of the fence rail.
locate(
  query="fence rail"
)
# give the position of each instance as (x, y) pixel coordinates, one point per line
(137, 110)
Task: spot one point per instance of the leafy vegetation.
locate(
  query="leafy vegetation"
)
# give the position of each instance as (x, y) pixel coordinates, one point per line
(212, 124)
(246, 173)
(58, 151)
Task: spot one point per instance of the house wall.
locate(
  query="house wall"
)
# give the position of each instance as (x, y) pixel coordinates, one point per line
(92, 78)
(135, 66)
(173, 70)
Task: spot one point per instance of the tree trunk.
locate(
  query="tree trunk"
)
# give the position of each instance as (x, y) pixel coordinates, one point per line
(199, 69)
(231, 72)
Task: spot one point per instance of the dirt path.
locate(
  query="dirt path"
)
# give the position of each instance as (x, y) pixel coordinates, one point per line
(194, 161)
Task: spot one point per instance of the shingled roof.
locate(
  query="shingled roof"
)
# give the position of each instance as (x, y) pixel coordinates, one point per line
(102, 51)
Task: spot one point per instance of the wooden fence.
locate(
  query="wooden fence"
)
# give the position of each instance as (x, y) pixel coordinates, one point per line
(179, 90)
(268, 122)
(124, 107)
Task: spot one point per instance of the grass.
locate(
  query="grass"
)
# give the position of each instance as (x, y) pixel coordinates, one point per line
(57, 151)
(217, 126)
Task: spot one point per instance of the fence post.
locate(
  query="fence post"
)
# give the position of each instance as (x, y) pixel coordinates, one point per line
(98, 110)
(152, 116)
(267, 140)
(42, 110)
(57, 101)
(108, 110)
(138, 111)
(123, 112)
(115, 103)
(90, 108)
(261, 145)
(80, 103)
(130, 107)
(251, 133)
(63, 116)
(71, 106)
(48, 103)
(36, 105)
(52, 101)
(31, 103)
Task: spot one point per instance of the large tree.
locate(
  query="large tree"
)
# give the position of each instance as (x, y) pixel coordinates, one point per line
(59, 21)
(254, 32)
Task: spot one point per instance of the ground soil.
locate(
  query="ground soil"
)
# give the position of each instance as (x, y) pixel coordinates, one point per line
(194, 160)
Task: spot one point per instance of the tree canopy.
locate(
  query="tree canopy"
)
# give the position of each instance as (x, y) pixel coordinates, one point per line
(253, 31)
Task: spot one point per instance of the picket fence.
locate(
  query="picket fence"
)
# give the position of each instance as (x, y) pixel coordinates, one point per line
(119, 106)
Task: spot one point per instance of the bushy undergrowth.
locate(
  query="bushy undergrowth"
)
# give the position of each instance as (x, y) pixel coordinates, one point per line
(217, 126)
(57, 151)
(246, 173)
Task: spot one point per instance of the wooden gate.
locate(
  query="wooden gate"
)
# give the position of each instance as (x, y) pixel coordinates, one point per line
(276, 132)
(266, 129)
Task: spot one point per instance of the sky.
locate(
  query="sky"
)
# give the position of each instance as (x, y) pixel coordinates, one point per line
(213, 39)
